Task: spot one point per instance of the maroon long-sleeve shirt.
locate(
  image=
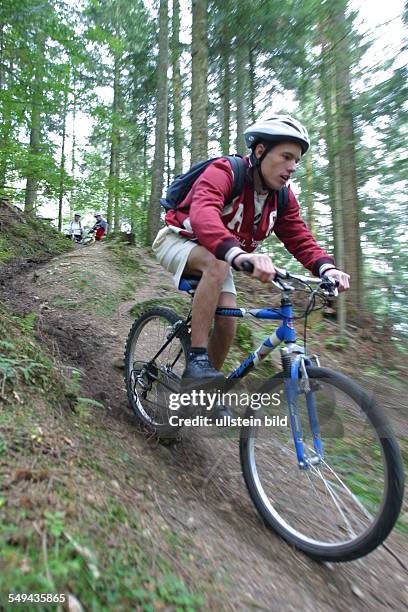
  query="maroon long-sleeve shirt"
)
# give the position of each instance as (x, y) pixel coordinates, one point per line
(227, 230)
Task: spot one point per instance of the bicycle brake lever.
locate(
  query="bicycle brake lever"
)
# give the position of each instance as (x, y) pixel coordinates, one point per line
(281, 285)
(329, 286)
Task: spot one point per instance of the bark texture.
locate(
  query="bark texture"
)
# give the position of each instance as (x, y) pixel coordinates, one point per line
(199, 94)
(161, 125)
(178, 134)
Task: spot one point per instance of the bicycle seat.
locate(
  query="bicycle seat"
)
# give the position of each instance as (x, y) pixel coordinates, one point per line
(188, 283)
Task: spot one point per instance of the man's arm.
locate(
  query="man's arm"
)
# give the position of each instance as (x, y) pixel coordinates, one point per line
(208, 197)
(299, 241)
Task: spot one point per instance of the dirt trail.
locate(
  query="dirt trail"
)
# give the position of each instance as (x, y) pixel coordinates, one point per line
(259, 571)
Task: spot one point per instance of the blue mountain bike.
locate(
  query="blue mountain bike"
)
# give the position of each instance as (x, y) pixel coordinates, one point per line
(320, 460)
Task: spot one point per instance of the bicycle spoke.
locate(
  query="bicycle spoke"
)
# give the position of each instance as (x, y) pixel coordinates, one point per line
(335, 499)
(155, 365)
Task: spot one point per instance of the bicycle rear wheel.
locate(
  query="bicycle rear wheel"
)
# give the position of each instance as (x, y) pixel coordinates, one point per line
(344, 505)
(149, 380)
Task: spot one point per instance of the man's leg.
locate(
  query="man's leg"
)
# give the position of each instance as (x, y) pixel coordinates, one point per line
(213, 273)
(223, 332)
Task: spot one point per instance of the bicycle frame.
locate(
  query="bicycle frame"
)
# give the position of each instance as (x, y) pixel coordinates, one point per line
(293, 371)
(295, 375)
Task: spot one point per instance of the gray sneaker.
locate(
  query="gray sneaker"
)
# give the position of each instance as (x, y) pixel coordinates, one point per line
(199, 373)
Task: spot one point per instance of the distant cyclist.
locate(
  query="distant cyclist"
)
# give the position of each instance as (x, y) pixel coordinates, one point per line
(75, 228)
(101, 226)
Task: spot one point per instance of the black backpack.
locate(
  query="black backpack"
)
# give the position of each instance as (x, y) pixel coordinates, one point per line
(182, 184)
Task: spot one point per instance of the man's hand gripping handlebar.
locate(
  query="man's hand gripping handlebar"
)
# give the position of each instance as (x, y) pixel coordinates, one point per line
(325, 284)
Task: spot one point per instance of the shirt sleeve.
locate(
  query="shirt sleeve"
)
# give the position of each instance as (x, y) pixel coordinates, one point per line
(209, 194)
(298, 239)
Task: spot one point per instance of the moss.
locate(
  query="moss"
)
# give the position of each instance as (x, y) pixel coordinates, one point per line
(126, 257)
(25, 366)
(25, 237)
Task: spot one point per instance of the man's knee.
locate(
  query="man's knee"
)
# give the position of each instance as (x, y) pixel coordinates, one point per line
(203, 262)
(216, 269)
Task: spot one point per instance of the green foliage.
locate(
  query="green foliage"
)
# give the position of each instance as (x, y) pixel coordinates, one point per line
(244, 338)
(23, 365)
(99, 554)
(50, 49)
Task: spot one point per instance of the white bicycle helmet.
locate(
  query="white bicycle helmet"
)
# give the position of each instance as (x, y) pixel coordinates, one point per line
(277, 128)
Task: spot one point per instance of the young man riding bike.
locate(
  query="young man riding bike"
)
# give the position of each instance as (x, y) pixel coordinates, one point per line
(205, 238)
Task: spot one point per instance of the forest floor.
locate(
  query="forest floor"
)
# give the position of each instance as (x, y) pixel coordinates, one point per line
(118, 505)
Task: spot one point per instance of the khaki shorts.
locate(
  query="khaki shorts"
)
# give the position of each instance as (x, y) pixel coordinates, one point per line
(172, 251)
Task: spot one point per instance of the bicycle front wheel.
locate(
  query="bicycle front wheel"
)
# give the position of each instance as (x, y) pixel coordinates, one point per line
(339, 507)
(152, 372)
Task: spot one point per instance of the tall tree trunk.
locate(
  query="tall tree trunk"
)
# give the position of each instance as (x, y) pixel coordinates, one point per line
(338, 212)
(178, 133)
(328, 97)
(62, 161)
(5, 133)
(2, 58)
(309, 192)
(199, 93)
(6, 123)
(4, 149)
(347, 159)
(168, 143)
(241, 89)
(307, 103)
(30, 199)
(161, 124)
(111, 179)
(252, 67)
(116, 191)
(73, 153)
(225, 105)
(113, 208)
(145, 133)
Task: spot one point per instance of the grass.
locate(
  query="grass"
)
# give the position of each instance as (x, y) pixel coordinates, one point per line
(126, 258)
(23, 365)
(174, 302)
(77, 515)
(31, 238)
(95, 296)
(65, 531)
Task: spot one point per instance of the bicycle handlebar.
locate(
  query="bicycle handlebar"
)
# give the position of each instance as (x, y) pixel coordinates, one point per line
(281, 274)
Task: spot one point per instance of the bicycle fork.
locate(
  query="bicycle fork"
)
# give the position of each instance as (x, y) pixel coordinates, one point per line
(295, 386)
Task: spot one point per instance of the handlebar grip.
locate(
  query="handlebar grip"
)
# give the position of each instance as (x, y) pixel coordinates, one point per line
(247, 266)
(330, 282)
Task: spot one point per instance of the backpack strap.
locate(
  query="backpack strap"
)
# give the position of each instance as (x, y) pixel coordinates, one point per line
(283, 198)
(238, 169)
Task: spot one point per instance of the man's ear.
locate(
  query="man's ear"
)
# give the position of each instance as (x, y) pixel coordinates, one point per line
(259, 150)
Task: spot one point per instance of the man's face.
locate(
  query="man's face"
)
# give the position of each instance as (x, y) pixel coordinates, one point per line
(77, 217)
(280, 163)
